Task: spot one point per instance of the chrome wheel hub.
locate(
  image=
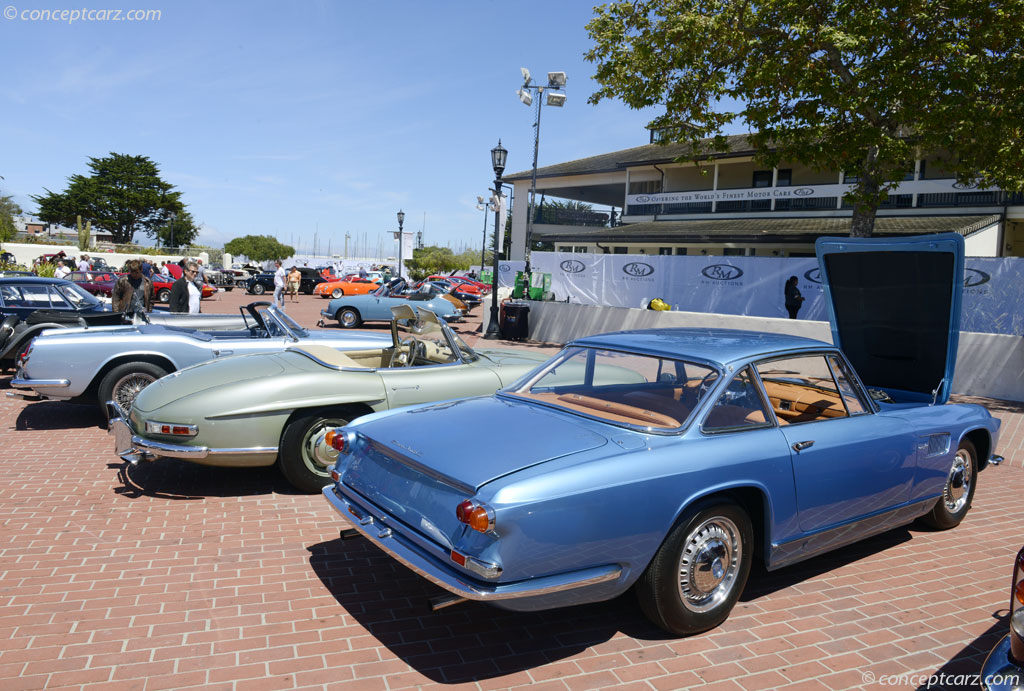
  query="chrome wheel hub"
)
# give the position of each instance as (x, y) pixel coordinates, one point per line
(958, 484)
(709, 564)
(318, 462)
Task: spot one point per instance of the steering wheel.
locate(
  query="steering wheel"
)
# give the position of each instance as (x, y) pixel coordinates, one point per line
(705, 384)
(401, 356)
(416, 349)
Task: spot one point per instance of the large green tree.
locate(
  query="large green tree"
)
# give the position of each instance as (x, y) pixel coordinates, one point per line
(123, 195)
(259, 248)
(862, 86)
(180, 229)
(8, 210)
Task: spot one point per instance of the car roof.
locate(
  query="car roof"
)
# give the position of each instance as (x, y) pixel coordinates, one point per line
(33, 279)
(712, 345)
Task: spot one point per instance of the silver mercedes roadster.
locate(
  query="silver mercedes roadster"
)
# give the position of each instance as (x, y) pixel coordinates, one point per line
(114, 363)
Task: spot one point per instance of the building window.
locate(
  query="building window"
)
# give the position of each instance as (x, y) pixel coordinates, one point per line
(734, 252)
(762, 178)
(580, 249)
(645, 187)
(680, 251)
(785, 177)
(664, 250)
(619, 250)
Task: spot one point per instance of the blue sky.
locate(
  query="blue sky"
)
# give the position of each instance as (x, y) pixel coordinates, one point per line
(303, 118)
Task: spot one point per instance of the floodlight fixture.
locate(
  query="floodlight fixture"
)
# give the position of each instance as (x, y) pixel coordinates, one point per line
(526, 75)
(556, 80)
(525, 96)
(555, 99)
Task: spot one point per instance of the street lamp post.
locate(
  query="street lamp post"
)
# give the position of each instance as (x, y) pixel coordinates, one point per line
(483, 206)
(556, 83)
(401, 220)
(498, 156)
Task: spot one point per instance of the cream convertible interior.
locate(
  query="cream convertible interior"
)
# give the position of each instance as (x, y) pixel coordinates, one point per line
(421, 341)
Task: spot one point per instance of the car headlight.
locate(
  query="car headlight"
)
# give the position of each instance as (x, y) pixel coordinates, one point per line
(171, 428)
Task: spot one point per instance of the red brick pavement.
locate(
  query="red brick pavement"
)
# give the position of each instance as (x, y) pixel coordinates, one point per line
(171, 576)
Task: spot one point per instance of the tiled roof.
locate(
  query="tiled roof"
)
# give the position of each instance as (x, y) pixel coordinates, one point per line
(738, 145)
(764, 229)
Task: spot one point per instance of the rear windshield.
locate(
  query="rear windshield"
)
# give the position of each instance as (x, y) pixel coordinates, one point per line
(629, 389)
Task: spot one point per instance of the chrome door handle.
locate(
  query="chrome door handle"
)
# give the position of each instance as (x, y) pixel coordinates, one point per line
(801, 445)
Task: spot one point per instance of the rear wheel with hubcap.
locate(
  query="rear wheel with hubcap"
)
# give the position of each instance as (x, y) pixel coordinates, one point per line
(337, 293)
(297, 458)
(958, 492)
(163, 295)
(258, 289)
(700, 570)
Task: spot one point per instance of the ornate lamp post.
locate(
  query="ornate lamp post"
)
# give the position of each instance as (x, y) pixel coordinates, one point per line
(401, 220)
(498, 156)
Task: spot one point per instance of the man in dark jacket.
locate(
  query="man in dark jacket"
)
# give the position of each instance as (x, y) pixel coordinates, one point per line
(134, 292)
(185, 294)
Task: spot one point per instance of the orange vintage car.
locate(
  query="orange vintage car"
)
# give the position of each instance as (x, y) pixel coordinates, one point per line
(350, 285)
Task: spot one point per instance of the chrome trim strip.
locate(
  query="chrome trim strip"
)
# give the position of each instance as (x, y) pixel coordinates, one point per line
(24, 395)
(408, 555)
(19, 383)
(147, 447)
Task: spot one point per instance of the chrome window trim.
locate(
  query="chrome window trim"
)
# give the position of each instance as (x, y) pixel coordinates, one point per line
(766, 408)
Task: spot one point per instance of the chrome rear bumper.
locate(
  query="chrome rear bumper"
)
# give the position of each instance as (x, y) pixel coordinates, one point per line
(133, 448)
(375, 529)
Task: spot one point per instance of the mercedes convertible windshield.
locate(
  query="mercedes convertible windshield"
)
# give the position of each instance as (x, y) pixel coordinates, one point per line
(622, 388)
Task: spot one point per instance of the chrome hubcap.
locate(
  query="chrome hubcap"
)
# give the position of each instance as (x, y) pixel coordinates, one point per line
(348, 318)
(128, 387)
(958, 484)
(309, 443)
(709, 564)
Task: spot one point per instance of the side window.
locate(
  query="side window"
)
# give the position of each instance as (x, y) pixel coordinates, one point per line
(854, 404)
(738, 407)
(802, 389)
(37, 297)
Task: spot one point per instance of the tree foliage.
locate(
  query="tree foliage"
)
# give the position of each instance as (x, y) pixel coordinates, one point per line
(259, 248)
(123, 195)
(861, 87)
(439, 260)
(8, 210)
(179, 230)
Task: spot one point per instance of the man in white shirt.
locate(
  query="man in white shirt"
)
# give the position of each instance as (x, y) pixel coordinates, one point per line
(83, 263)
(279, 283)
(61, 271)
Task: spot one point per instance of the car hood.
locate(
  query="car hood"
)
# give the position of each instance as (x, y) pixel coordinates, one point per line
(207, 375)
(894, 305)
(527, 435)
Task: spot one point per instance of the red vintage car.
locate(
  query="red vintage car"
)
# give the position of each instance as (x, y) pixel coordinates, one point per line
(162, 287)
(95, 282)
(464, 284)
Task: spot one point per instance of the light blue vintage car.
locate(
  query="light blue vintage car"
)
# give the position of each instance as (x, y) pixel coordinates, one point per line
(725, 447)
(353, 310)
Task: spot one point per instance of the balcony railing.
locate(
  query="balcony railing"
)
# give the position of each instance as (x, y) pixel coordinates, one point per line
(570, 217)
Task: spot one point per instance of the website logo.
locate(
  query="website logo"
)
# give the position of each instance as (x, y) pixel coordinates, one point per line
(974, 278)
(814, 275)
(573, 266)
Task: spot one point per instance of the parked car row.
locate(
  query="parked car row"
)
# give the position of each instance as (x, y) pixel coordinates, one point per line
(666, 461)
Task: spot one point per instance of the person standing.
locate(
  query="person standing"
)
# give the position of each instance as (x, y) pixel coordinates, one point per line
(279, 281)
(186, 293)
(134, 292)
(793, 297)
(83, 263)
(201, 270)
(294, 279)
(164, 271)
(147, 269)
(62, 270)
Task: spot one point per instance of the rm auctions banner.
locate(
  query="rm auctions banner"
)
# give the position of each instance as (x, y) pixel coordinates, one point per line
(755, 286)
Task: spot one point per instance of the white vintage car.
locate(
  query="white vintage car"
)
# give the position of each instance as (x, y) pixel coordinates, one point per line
(114, 363)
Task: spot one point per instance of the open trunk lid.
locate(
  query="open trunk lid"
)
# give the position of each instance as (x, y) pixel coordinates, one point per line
(894, 306)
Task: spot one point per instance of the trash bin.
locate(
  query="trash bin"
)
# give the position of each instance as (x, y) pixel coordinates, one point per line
(514, 321)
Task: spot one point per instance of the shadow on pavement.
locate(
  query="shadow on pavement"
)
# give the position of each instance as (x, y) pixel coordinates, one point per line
(468, 641)
(763, 582)
(49, 415)
(170, 478)
(958, 673)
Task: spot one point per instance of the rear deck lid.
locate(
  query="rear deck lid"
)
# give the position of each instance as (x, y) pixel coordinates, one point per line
(894, 305)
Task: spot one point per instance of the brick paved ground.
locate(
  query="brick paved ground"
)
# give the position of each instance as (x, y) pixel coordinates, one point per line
(169, 576)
